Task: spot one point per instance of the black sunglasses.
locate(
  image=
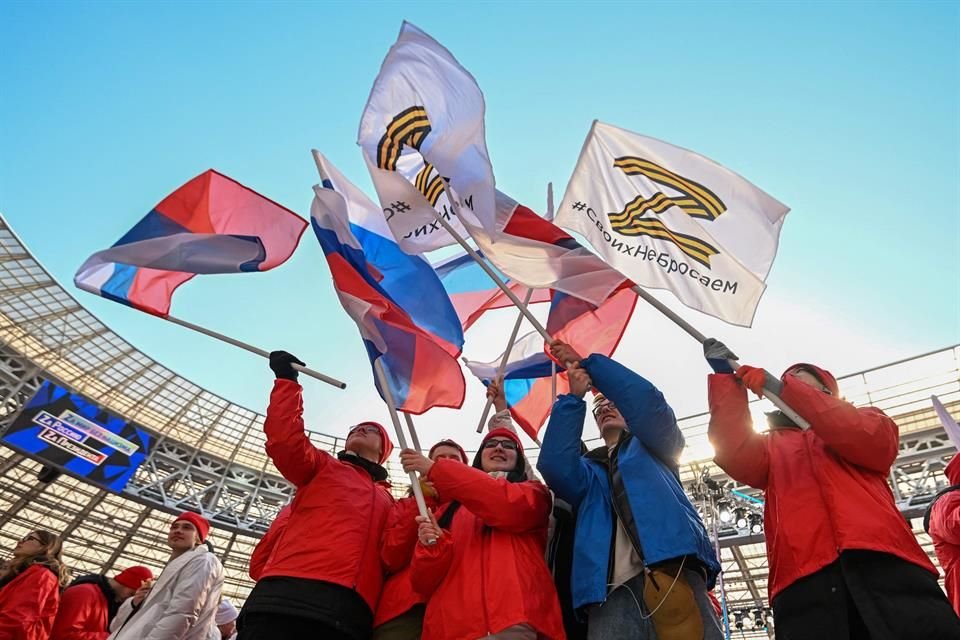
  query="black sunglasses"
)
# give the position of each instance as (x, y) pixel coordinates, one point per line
(603, 405)
(508, 445)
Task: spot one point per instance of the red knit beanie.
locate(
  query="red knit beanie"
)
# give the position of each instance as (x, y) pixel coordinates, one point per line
(198, 521)
(384, 438)
(502, 432)
(133, 577)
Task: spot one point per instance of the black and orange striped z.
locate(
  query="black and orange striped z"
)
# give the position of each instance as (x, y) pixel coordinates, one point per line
(409, 127)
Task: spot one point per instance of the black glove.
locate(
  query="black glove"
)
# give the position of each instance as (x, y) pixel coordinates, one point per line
(717, 355)
(282, 363)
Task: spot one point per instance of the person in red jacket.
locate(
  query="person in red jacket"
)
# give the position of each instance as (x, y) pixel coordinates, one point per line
(942, 522)
(482, 565)
(322, 577)
(90, 602)
(258, 559)
(400, 611)
(30, 584)
(844, 563)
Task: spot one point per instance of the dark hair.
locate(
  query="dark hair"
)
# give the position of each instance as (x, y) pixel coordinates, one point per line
(517, 474)
(49, 557)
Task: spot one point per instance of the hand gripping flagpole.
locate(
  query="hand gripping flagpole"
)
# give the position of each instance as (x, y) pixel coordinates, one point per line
(391, 405)
(699, 337)
(483, 265)
(503, 360)
(253, 349)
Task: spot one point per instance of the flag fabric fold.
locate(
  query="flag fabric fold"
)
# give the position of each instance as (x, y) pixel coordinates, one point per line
(425, 104)
(473, 292)
(397, 301)
(526, 385)
(669, 218)
(211, 224)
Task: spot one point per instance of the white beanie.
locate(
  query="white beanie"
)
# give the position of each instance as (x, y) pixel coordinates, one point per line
(226, 612)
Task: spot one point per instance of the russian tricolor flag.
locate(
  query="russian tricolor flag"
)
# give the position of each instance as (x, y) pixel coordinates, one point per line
(399, 304)
(211, 224)
(473, 292)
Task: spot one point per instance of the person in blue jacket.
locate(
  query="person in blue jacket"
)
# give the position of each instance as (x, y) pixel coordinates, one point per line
(642, 561)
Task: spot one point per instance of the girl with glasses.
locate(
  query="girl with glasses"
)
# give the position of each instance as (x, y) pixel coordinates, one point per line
(30, 584)
(482, 564)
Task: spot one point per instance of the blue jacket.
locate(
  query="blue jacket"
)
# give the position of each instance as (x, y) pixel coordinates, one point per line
(657, 513)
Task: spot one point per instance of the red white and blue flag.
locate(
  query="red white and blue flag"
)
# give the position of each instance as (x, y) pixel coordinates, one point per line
(473, 292)
(399, 304)
(211, 224)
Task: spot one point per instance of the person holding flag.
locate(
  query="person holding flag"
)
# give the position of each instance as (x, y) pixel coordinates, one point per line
(400, 611)
(322, 577)
(642, 561)
(482, 565)
(844, 563)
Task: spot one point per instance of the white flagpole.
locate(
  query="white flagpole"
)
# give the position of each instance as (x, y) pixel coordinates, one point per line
(391, 405)
(253, 349)
(503, 360)
(483, 265)
(413, 432)
(553, 363)
(699, 337)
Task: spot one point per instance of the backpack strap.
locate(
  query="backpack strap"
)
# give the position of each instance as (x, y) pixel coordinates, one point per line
(926, 514)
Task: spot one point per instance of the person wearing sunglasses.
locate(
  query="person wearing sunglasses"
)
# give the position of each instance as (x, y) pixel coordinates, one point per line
(400, 610)
(322, 577)
(30, 584)
(642, 561)
(481, 563)
(844, 563)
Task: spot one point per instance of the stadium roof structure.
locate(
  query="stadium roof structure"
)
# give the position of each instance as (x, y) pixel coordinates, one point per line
(209, 456)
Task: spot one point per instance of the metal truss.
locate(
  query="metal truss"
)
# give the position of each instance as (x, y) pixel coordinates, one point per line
(209, 455)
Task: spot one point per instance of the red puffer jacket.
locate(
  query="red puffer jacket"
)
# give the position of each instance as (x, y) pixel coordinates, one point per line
(258, 559)
(338, 513)
(488, 572)
(396, 551)
(826, 488)
(28, 604)
(945, 533)
(83, 614)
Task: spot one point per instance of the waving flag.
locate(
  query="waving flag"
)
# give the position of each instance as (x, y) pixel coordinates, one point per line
(424, 107)
(587, 328)
(473, 292)
(401, 309)
(671, 219)
(211, 224)
(527, 381)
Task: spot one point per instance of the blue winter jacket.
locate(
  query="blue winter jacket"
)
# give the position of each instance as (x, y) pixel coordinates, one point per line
(657, 512)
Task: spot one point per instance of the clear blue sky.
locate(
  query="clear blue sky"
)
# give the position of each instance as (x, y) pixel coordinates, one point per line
(848, 112)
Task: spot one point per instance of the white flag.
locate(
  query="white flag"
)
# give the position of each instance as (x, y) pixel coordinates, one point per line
(424, 103)
(669, 218)
(949, 424)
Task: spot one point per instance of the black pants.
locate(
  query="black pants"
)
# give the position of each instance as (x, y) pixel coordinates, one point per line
(865, 595)
(268, 626)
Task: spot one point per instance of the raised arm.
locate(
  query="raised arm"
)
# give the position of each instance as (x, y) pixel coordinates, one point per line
(740, 451)
(648, 416)
(865, 437)
(560, 462)
(287, 443)
(512, 506)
